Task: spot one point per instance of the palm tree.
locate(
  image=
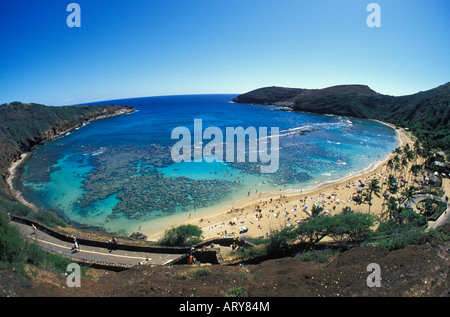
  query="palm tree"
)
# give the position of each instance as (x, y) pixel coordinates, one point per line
(392, 208)
(358, 198)
(408, 194)
(390, 164)
(409, 155)
(372, 188)
(392, 183)
(398, 150)
(347, 210)
(404, 164)
(417, 150)
(396, 161)
(415, 168)
(316, 211)
(385, 196)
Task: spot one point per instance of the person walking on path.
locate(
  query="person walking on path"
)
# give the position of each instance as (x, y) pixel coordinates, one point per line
(34, 230)
(76, 245)
(113, 244)
(191, 259)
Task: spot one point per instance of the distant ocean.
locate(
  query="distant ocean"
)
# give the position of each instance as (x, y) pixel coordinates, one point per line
(117, 174)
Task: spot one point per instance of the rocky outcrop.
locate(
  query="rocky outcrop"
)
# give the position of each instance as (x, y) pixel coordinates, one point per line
(270, 95)
(289, 97)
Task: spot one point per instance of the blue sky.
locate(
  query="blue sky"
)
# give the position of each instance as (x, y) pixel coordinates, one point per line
(138, 48)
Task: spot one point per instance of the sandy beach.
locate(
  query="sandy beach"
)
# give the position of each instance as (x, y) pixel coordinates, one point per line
(11, 179)
(265, 213)
(14, 168)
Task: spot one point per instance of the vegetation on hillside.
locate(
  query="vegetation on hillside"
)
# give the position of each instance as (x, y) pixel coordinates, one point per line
(23, 126)
(395, 226)
(17, 253)
(426, 114)
(184, 235)
(269, 95)
(10, 205)
(345, 231)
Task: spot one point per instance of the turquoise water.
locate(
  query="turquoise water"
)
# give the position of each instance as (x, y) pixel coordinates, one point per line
(117, 174)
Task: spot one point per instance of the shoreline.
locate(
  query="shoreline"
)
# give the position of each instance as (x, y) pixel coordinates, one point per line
(15, 169)
(217, 217)
(242, 212)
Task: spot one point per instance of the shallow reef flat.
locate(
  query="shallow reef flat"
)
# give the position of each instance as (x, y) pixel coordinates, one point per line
(132, 174)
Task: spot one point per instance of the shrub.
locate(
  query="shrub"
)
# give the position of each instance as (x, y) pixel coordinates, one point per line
(47, 219)
(252, 252)
(11, 244)
(237, 291)
(320, 256)
(4, 195)
(15, 208)
(16, 251)
(184, 235)
(353, 227)
(405, 238)
(195, 273)
(278, 241)
(18, 209)
(403, 221)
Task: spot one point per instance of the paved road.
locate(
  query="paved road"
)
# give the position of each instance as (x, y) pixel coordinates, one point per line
(95, 254)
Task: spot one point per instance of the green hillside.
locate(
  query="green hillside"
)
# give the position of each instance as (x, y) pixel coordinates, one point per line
(426, 114)
(24, 126)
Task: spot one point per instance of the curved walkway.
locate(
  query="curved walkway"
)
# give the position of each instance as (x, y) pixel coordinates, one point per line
(93, 254)
(444, 216)
(412, 202)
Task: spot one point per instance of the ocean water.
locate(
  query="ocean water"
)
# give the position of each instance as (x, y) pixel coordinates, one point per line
(118, 175)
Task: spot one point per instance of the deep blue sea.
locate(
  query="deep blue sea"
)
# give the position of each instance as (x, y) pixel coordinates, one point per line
(118, 175)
